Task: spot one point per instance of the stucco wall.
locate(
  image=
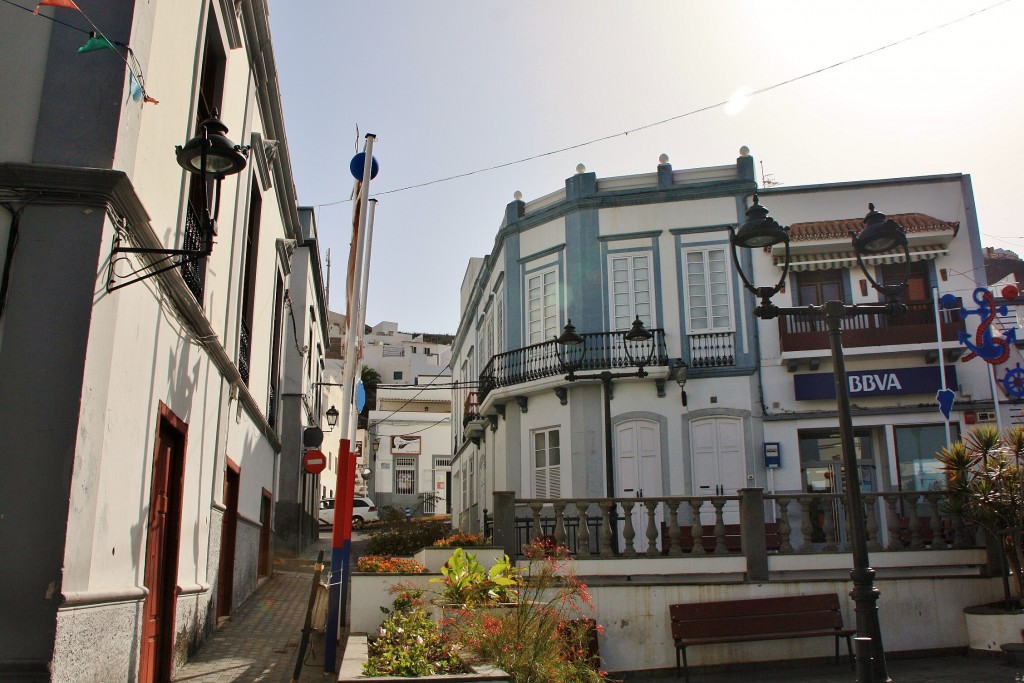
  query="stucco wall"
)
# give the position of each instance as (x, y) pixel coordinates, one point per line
(98, 643)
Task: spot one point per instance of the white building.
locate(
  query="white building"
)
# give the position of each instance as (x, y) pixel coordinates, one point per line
(140, 419)
(603, 252)
(401, 357)
(410, 438)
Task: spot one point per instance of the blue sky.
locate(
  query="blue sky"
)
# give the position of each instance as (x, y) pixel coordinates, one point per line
(452, 86)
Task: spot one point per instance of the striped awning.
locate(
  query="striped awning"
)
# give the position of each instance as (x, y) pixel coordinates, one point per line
(848, 259)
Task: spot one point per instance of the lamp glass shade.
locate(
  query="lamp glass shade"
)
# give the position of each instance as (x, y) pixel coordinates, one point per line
(759, 230)
(223, 157)
(332, 417)
(880, 234)
(569, 336)
(638, 332)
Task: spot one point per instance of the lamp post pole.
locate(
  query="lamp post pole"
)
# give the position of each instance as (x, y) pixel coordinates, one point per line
(878, 236)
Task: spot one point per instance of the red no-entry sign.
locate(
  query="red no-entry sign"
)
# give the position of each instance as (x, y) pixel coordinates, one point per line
(314, 462)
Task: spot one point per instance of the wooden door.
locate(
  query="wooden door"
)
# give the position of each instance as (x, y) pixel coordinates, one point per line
(229, 530)
(718, 463)
(162, 542)
(638, 473)
(263, 564)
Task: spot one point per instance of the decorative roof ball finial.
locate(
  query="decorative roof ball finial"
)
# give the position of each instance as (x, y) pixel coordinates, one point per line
(518, 196)
(580, 168)
(663, 159)
(744, 151)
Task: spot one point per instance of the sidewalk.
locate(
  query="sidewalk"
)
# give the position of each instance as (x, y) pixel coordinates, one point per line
(261, 640)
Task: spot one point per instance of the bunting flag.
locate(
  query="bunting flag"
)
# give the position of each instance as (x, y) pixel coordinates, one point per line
(70, 4)
(134, 87)
(95, 43)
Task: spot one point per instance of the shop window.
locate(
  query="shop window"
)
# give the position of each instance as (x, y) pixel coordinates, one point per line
(916, 448)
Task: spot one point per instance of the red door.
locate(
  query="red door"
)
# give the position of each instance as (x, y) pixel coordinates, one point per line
(164, 531)
(229, 529)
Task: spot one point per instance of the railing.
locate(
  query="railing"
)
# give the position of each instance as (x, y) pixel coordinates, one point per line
(470, 408)
(193, 270)
(809, 332)
(803, 523)
(604, 351)
(244, 342)
(712, 350)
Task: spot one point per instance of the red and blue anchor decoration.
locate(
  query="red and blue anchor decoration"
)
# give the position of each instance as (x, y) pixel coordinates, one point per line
(992, 349)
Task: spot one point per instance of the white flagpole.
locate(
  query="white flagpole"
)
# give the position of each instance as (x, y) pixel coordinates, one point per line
(942, 362)
(341, 536)
(361, 315)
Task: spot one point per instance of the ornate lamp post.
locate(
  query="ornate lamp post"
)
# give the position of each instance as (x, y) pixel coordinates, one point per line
(880, 235)
(638, 344)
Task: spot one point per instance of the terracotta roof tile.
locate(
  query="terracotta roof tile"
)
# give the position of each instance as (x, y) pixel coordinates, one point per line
(840, 229)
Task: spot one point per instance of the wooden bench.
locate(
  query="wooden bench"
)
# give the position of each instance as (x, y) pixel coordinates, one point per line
(735, 621)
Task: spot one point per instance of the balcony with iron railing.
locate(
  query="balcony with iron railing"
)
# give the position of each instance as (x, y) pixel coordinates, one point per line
(244, 343)
(604, 351)
(193, 270)
(810, 333)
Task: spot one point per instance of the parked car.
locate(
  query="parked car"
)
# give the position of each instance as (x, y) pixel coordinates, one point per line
(363, 510)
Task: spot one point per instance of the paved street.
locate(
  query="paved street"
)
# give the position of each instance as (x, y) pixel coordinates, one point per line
(260, 644)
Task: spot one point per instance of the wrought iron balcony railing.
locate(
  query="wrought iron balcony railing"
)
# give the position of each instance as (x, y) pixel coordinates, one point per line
(193, 269)
(605, 351)
(243, 352)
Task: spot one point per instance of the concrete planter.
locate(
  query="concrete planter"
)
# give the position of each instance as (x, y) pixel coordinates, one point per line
(990, 626)
(351, 670)
(433, 558)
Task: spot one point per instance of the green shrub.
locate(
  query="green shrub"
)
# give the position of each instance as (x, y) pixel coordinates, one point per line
(405, 538)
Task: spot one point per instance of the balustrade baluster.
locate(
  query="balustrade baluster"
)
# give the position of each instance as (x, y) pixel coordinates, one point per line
(872, 523)
(830, 525)
(938, 539)
(536, 530)
(892, 523)
(960, 533)
(675, 543)
(785, 531)
(607, 510)
(628, 532)
(559, 533)
(652, 529)
(806, 525)
(720, 548)
(583, 533)
(916, 542)
(696, 530)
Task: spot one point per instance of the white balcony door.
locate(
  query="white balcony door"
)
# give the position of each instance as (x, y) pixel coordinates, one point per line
(629, 283)
(638, 473)
(718, 464)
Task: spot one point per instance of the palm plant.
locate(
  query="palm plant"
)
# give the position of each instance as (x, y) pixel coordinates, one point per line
(985, 482)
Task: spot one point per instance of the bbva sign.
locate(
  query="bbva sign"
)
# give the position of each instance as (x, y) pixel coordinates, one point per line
(883, 382)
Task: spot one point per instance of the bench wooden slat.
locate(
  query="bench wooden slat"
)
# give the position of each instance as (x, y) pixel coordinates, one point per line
(778, 618)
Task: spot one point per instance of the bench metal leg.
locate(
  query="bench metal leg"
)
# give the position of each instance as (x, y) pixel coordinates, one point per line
(849, 649)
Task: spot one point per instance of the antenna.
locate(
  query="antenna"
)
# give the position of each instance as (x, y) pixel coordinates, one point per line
(769, 179)
(327, 293)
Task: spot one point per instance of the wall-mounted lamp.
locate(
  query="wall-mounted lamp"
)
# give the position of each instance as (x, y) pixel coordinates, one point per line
(332, 418)
(376, 445)
(209, 155)
(678, 373)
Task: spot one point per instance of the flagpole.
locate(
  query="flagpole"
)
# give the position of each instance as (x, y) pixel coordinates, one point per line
(942, 362)
(341, 537)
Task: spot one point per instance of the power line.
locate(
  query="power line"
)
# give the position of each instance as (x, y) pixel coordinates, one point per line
(677, 116)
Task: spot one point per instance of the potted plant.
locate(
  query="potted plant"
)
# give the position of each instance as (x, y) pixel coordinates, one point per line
(985, 485)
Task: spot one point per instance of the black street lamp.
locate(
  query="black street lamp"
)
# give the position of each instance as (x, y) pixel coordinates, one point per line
(332, 418)
(638, 345)
(879, 235)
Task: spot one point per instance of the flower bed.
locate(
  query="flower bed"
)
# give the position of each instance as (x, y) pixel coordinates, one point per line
(384, 564)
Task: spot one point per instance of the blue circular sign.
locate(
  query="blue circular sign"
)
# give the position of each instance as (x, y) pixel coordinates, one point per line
(360, 397)
(358, 163)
